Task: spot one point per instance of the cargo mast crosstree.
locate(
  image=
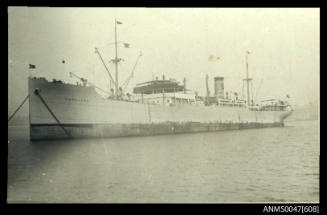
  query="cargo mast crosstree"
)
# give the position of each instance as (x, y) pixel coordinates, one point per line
(116, 60)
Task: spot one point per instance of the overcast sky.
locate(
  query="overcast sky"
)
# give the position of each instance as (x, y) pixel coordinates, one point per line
(284, 46)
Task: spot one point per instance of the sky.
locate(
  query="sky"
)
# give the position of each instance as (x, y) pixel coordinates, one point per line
(284, 46)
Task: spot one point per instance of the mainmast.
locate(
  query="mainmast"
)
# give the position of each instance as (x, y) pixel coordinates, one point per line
(247, 79)
(116, 61)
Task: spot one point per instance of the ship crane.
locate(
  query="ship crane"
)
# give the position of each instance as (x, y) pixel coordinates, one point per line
(125, 84)
(85, 82)
(105, 66)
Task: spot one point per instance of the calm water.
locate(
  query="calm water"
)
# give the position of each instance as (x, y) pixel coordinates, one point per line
(259, 165)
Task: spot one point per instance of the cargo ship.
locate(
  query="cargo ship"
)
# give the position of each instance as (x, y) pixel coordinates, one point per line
(59, 110)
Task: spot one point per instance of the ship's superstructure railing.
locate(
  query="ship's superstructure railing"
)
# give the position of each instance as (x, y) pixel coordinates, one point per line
(274, 108)
(273, 105)
(224, 101)
(169, 98)
(231, 102)
(148, 83)
(159, 86)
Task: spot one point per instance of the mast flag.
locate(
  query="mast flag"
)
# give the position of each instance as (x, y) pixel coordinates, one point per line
(126, 45)
(31, 66)
(118, 22)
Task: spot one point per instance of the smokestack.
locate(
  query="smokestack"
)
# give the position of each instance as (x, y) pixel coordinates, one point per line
(219, 87)
(163, 77)
(184, 81)
(208, 92)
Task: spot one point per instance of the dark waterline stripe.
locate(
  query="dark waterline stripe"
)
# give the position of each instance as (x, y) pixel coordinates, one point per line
(86, 125)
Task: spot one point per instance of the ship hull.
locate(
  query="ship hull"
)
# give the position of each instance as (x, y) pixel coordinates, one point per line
(59, 111)
(53, 131)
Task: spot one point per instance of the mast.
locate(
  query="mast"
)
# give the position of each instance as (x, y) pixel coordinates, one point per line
(247, 79)
(116, 61)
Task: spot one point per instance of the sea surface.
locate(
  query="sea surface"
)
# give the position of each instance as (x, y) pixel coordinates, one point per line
(257, 165)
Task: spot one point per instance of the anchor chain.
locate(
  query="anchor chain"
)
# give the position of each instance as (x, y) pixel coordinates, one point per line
(37, 92)
(18, 108)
